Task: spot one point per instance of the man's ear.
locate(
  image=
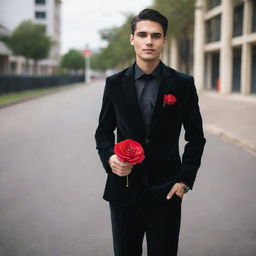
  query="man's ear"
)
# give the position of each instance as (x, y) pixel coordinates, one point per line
(131, 39)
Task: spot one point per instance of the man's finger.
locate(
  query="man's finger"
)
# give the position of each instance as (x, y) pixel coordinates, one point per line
(121, 172)
(170, 194)
(122, 164)
(123, 169)
(125, 164)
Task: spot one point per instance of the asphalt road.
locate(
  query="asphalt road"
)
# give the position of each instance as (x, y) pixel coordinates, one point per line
(51, 185)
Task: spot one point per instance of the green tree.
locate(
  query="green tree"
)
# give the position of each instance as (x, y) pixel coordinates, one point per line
(180, 15)
(118, 52)
(73, 60)
(29, 40)
(181, 27)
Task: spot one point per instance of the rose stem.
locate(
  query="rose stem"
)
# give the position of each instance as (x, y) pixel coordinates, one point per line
(127, 181)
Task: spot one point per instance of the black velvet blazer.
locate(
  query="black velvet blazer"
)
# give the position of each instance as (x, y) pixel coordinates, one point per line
(162, 163)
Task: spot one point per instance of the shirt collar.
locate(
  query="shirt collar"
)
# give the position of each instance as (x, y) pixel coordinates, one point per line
(139, 73)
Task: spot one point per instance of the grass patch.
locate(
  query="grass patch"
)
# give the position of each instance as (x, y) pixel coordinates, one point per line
(11, 97)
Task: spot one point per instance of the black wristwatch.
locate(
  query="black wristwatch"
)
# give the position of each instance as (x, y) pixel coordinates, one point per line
(185, 187)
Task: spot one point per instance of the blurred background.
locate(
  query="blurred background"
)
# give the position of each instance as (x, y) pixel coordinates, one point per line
(54, 57)
(212, 39)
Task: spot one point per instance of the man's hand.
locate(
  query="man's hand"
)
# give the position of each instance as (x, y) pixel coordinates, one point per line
(118, 167)
(178, 189)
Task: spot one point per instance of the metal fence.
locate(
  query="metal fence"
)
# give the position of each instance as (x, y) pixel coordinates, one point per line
(18, 83)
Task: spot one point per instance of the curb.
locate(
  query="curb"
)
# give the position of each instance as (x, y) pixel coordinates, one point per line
(58, 89)
(232, 97)
(231, 138)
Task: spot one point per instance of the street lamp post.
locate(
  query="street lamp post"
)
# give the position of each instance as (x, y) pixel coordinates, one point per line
(87, 53)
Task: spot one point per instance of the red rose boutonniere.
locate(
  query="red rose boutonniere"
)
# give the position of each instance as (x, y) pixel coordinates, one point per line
(169, 100)
(129, 151)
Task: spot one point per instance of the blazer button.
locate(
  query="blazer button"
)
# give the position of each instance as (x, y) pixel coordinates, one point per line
(147, 141)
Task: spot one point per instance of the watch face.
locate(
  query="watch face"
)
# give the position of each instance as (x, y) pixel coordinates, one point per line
(186, 189)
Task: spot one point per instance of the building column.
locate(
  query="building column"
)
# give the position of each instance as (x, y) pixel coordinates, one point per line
(246, 51)
(208, 72)
(165, 53)
(247, 22)
(174, 51)
(246, 68)
(19, 65)
(226, 64)
(199, 41)
(31, 67)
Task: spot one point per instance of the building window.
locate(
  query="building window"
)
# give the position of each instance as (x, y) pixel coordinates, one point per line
(237, 59)
(254, 16)
(13, 67)
(215, 71)
(253, 85)
(213, 29)
(212, 3)
(238, 20)
(40, 15)
(40, 1)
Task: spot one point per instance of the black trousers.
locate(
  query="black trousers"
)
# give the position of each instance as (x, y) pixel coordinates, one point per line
(160, 220)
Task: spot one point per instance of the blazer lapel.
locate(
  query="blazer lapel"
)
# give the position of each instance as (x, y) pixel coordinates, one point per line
(131, 96)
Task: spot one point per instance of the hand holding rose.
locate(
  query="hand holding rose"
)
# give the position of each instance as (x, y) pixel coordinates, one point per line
(118, 167)
(127, 154)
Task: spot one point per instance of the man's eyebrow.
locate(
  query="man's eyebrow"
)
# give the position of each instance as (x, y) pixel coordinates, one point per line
(144, 32)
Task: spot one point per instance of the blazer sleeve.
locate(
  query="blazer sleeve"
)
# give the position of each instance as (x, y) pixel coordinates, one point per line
(192, 123)
(104, 136)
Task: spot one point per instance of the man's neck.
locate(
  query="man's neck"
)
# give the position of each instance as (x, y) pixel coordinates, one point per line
(147, 66)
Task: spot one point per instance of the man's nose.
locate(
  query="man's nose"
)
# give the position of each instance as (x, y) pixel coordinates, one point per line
(149, 40)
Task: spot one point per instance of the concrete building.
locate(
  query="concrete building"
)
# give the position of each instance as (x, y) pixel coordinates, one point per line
(4, 51)
(46, 12)
(225, 46)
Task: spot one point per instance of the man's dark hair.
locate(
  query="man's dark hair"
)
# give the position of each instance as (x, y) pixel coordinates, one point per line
(150, 14)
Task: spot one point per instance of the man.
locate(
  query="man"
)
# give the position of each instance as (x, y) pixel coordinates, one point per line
(135, 103)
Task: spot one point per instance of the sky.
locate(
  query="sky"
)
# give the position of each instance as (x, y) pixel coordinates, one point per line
(82, 19)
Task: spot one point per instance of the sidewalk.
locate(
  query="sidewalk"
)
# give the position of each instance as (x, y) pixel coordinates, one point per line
(232, 117)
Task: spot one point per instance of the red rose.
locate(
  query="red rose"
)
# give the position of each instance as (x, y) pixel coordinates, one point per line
(169, 99)
(129, 151)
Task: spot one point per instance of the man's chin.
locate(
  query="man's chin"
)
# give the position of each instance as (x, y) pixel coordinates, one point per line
(150, 58)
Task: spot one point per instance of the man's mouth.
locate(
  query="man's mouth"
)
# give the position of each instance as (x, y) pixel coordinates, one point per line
(148, 50)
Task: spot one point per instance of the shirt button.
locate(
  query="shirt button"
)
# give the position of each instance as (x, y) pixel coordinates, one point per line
(147, 141)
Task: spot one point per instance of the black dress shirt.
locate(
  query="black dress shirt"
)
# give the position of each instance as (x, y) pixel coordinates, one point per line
(147, 86)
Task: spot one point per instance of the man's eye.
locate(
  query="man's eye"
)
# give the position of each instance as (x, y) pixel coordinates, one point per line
(142, 35)
(157, 36)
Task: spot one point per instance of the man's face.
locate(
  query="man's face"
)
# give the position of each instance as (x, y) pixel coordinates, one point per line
(148, 40)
